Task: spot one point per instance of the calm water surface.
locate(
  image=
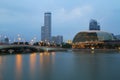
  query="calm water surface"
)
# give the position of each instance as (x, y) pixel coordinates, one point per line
(70, 65)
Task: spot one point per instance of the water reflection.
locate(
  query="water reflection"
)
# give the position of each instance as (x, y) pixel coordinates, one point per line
(0, 60)
(47, 57)
(92, 51)
(32, 65)
(32, 62)
(18, 66)
(53, 57)
(78, 65)
(41, 58)
(0, 68)
(102, 65)
(36, 66)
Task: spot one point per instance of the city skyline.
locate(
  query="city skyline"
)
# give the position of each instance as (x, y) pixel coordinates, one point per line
(69, 17)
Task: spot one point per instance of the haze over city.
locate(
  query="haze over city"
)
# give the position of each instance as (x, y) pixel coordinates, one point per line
(26, 17)
(59, 39)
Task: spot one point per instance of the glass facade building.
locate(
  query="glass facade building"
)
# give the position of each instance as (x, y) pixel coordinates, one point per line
(93, 36)
(95, 39)
(46, 29)
(93, 25)
(57, 39)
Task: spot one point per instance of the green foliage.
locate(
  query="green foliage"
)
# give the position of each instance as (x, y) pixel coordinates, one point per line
(66, 45)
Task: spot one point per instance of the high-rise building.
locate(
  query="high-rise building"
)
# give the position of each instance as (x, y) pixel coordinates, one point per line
(42, 33)
(46, 29)
(93, 25)
(6, 40)
(57, 39)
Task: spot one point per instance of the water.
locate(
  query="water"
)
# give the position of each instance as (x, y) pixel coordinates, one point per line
(70, 65)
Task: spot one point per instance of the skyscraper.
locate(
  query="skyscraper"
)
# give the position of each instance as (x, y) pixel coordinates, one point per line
(46, 29)
(93, 25)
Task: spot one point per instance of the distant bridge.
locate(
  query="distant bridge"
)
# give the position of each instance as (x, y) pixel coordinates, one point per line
(18, 48)
(26, 48)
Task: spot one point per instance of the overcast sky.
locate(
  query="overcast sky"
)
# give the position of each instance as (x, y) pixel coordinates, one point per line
(69, 17)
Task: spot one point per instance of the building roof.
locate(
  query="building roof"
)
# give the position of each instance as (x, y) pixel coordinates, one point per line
(93, 35)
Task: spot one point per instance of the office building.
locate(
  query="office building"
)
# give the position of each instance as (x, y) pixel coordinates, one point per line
(42, 33)
(46, 29)
(4, 40)
(93, 25)
(57, 39)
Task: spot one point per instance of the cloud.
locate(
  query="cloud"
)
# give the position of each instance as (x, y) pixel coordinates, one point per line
(16, 16)
(65, 15)
(6, 15)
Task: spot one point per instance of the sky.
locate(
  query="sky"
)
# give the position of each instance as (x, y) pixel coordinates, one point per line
(25, 17)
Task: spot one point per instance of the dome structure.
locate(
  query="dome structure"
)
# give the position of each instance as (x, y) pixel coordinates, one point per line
(92, 35)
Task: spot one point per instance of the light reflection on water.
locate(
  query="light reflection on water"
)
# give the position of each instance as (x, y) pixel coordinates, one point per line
(77, 65)
(18, 66)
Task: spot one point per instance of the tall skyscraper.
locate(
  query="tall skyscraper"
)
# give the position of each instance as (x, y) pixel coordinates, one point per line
(93, 25)
(46, 29)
